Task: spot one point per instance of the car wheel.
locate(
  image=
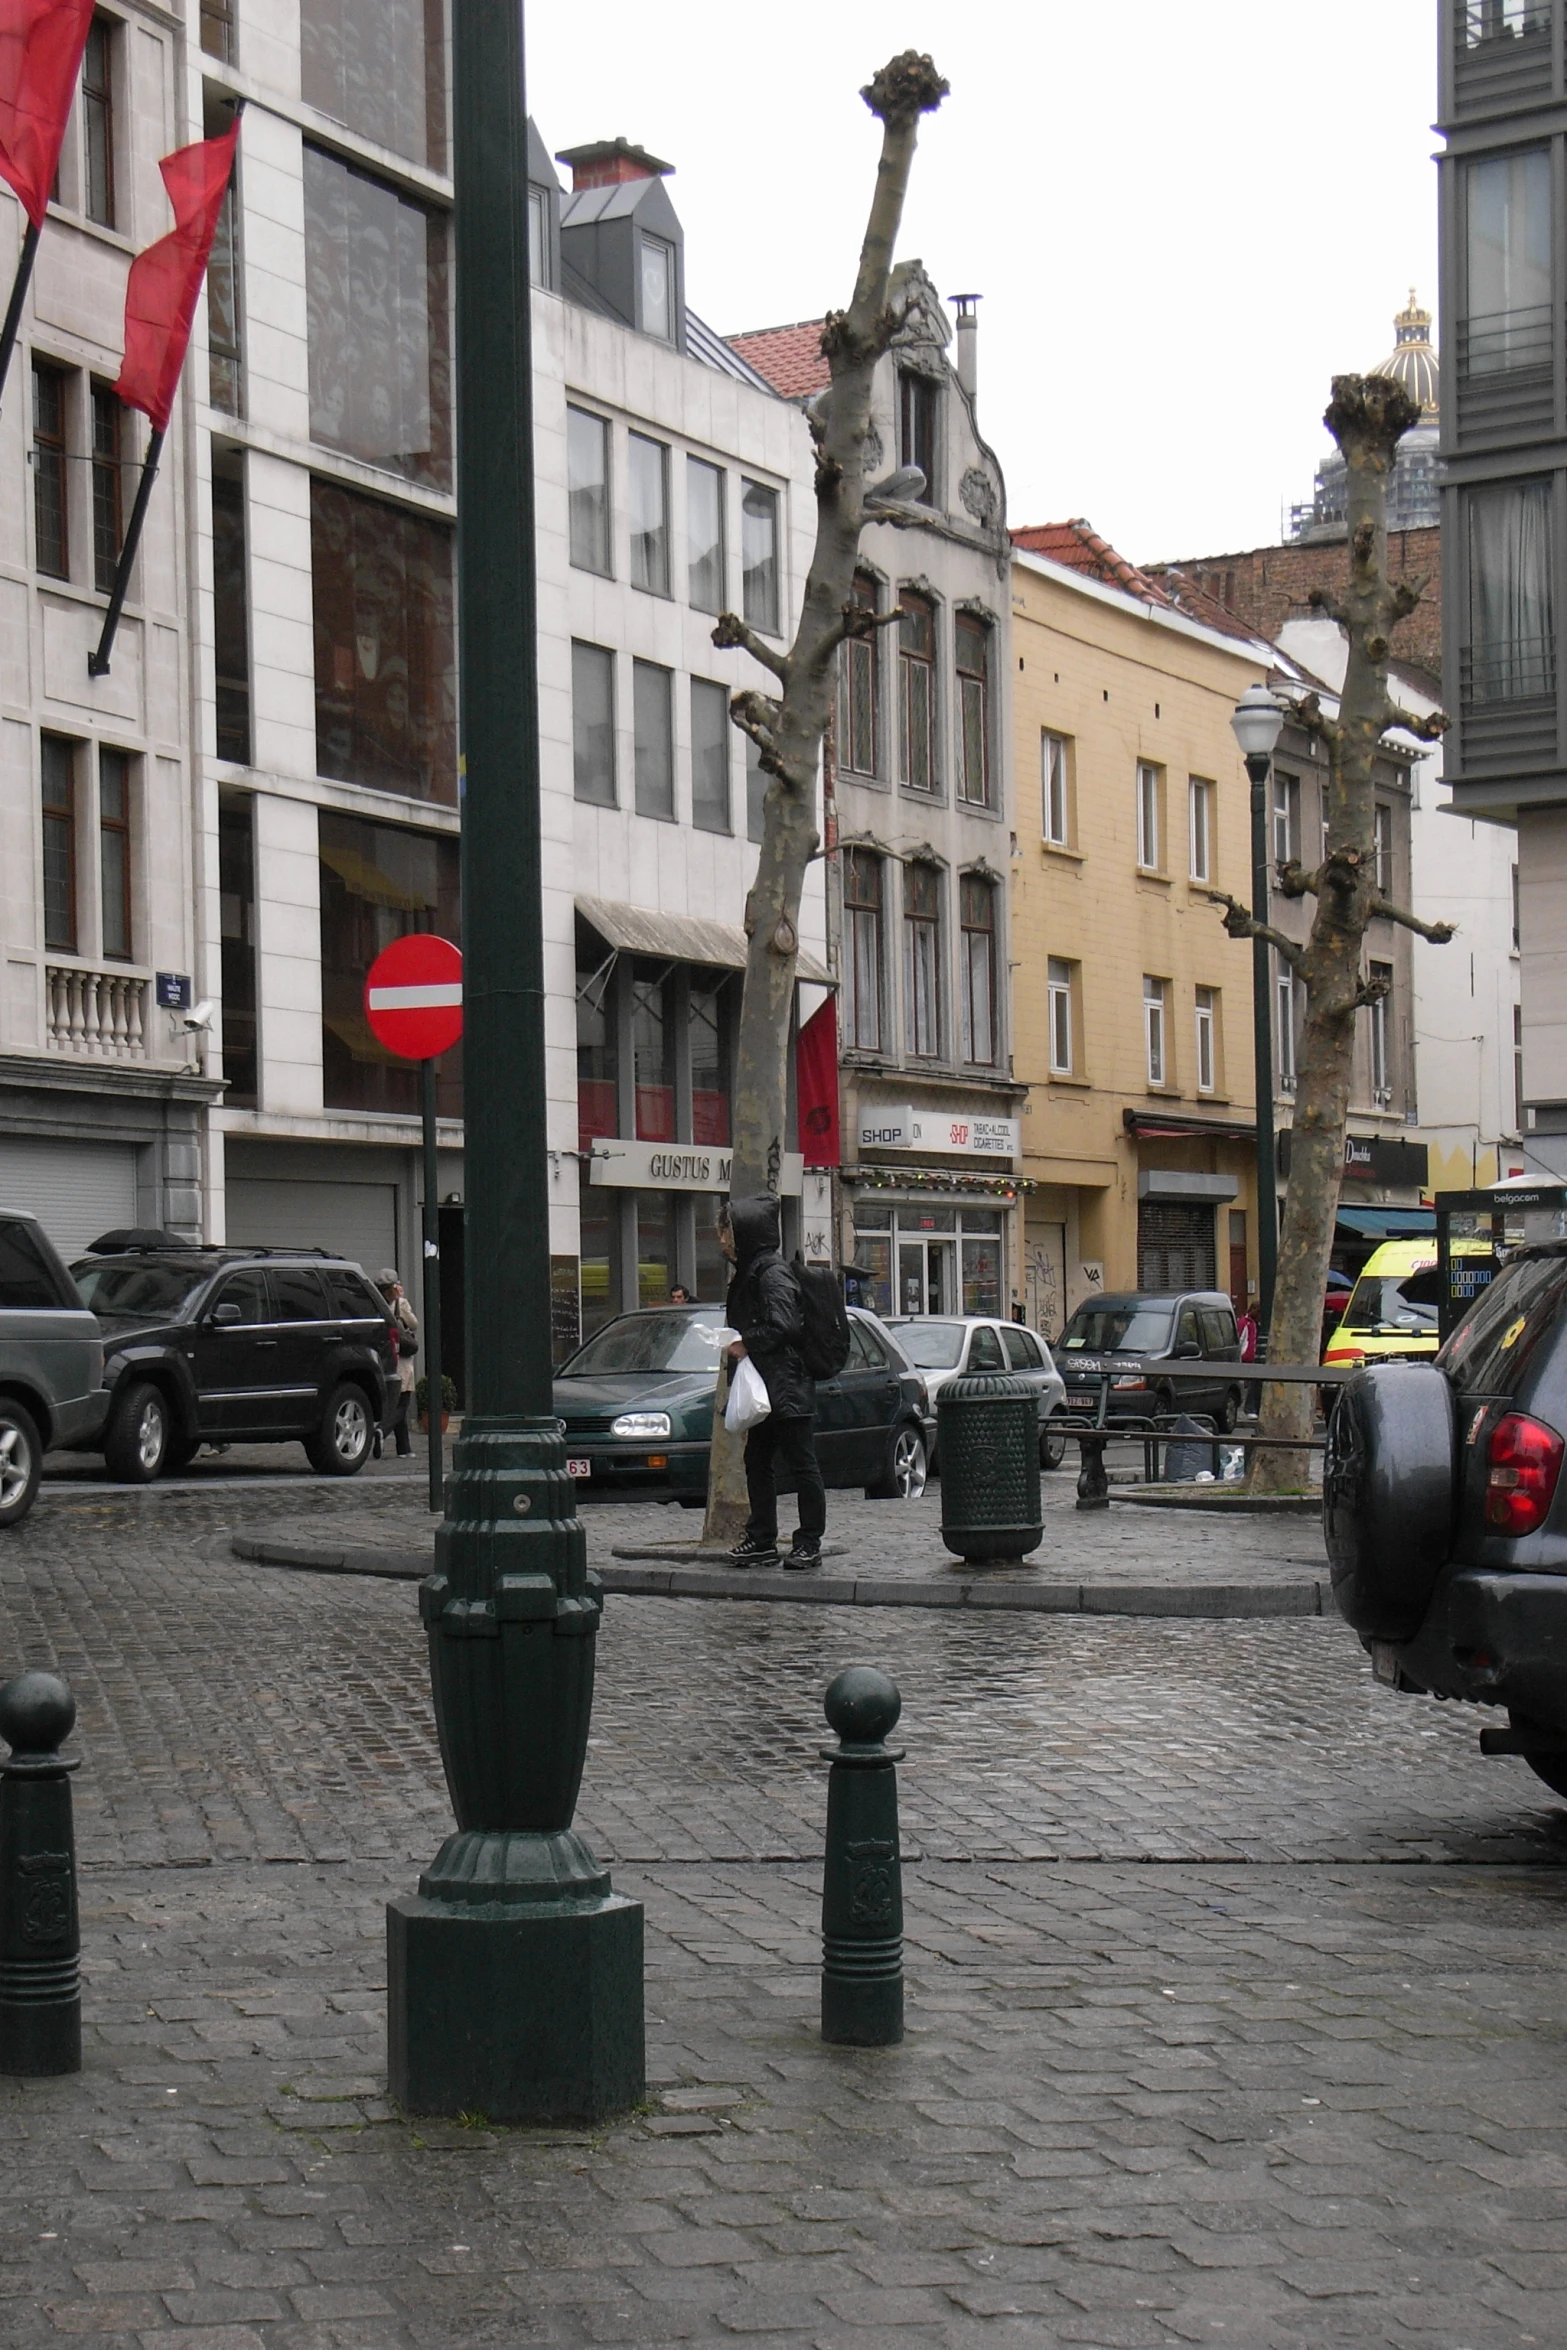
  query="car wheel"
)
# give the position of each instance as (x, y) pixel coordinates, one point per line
(136, 1441)
(341, 1444)
(21, 1458)
(908, 1467)
(1229, 1411)
(1052, 1446)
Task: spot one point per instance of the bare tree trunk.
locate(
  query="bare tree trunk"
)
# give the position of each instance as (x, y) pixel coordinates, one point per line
(787, 725)
(1367, 416)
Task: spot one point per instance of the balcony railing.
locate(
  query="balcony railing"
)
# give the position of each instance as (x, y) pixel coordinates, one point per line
(99, 1015)
(1503, 53)
(1521, 670)
(1503, 340)
(1503, 20)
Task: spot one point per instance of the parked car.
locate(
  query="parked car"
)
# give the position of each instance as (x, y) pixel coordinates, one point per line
(636, 1408)
(235, 1346)
(945, 1346)
(1133, 1334)
(1445, 1512)
(1392, 1313)
(51, 1362)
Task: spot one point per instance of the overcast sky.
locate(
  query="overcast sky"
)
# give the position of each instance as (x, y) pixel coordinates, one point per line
(1180, 219)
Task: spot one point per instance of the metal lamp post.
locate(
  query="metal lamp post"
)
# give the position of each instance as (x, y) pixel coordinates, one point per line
(1258, 721)
(514, 1977)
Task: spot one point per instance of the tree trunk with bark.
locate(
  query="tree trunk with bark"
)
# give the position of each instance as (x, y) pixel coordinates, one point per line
(1367, 416)
(787, 723)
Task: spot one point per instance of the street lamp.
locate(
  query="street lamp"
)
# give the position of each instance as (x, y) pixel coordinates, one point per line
(1258, 721)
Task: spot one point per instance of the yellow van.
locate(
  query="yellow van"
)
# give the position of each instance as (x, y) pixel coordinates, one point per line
(1392, 1312)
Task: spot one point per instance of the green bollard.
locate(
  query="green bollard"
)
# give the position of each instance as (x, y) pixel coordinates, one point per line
(40, 1940)
(862, 1880)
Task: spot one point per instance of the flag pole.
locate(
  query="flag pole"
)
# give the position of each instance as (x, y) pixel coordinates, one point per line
(98, 663)
(13, 316)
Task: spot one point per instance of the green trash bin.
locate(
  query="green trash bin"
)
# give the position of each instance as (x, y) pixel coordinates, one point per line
(987, 1433)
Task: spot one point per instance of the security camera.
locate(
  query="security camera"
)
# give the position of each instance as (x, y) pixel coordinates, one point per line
(201, 1015)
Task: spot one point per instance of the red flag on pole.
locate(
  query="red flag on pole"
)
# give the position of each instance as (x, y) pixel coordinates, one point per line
(816, 1087)
(41, 44)
(160, 294)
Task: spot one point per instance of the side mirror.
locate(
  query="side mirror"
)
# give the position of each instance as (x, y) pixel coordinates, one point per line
(1188, 1351)
(227, 1314)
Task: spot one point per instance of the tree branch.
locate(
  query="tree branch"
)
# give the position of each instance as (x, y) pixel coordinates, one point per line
(1403, 596)
(1240, 922)
(1437, 932)
(1324, 601)
(1310, 714)
(856, 621)
(757, 716)
(1295, 881)
(1425, 730)
(731, 633)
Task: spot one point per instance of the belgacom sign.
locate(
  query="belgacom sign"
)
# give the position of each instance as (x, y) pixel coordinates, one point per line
(903, 1129)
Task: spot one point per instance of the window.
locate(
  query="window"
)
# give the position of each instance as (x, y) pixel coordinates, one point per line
(658, 288)
(1508, 262)
(376, 294)
(377, 67)
(652, 1063)
(1207, 1039)
(917, 398)
(593, 724)
(230, 606)
(539, 236)
(386, 682)
(857, 696)
(705, 534)
(27, 1280)
(98, 123)
(57, 768)
(709, 1065)
(217, 29)
(862, 957)
(755, 792)
(1022, 1349)
(1150, 831)
(1512, 649)
(107, 525)
(237, 940)
(587, 490)
(759, 555)
(114, 854)
(297, 1294)
(1382, 846)
(1200, 814)
(1054, 788)
(1284, 1043)
(248, 1291)
(710, 732)
(647, 479)
(1060, 1012)
(1503, 20)
(225, 381)
(652, 732)
(51, 507)
(378, 883)
(977, 921)
(972, 647)
(1153, 1030)
(1517, 914)
(1286, 818)
(1381, 975)
(922, 958)
(917, 692)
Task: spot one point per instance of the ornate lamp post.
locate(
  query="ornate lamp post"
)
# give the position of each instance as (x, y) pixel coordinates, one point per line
(515, 1976)
(1257, 721)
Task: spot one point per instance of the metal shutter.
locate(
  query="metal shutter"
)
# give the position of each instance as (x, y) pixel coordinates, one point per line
(1174, 1246)
(75, 1189)
(354, 1220)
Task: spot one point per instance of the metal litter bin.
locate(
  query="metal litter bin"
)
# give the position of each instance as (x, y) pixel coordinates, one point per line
(987, 1432)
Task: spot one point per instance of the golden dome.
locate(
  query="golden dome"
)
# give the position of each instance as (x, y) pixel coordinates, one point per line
(1412, 362)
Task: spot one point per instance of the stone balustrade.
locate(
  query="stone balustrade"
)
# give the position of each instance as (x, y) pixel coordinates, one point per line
(101, 1015)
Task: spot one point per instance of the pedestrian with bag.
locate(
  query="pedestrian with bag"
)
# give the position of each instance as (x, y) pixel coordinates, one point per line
(766, 1306)
(406, 1323)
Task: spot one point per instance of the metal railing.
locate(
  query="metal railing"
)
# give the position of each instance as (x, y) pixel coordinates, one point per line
(1503, 340)
(1522, 670)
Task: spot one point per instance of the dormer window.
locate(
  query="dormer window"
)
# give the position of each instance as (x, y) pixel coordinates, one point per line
(917, 398)
(658, 289)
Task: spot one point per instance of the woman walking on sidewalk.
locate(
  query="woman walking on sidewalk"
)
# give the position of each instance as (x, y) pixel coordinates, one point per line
(407, 1326)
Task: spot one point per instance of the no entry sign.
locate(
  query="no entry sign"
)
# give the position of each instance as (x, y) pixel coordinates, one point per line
(413, 996)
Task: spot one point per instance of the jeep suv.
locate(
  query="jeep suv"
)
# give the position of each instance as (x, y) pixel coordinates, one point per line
(236, 1346)
(51, 1362)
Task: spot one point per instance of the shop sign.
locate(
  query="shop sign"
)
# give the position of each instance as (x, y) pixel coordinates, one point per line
(1373, 1159)
(900, 1128)
(676, 1166)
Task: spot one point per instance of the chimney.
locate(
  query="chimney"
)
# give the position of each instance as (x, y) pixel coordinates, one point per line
(608, 163)
(968, 341)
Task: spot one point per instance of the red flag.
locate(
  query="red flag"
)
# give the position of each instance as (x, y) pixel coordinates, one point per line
(41, 44)
(160, 294)
(816, 1086)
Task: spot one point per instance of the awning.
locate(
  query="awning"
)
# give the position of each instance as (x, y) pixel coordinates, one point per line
(683, 938)
(1388, 1223)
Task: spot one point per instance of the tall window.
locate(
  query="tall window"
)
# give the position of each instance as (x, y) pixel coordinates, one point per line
(378, 882)
(376, 296)
(652, 731)
(1150, 830)
(922, 958)
(1382, 846)
(1284, 1044)
(237, 933)
(1056, 806)
(1154, 1023)
(1512, 631)
(114, 853)
(57, 769)
(51, 505)
(709, 1065)
(652, 1062)
(593, 724)
(647, 484)
(1207, 1039)
(1286, 818)
(917, 409)
(704, 535)
(710, 736)
(386, 679)
(917, 694)
(377, 67)
(658, 288)
(759, 555)
(1200, 828)
(107, 458)
(857, 696)
(217, 40)
(225, 379)
(972, 646)
(230, 608)
(98, 123)
(587, 490)
(1060, 987)
(862, 948)
(977, 920)
(1508, 261)
(1380, 1008)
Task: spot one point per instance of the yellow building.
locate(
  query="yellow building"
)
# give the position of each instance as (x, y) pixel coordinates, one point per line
(1132, 1007)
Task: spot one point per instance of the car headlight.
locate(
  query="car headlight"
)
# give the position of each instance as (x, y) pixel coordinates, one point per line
(640, 1424)
(1128, 1382)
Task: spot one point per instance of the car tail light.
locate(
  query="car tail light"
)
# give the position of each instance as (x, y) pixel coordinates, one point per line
(1525, 1460)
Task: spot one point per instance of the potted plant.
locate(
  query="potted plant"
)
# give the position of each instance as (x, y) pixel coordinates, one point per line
(448, 1402)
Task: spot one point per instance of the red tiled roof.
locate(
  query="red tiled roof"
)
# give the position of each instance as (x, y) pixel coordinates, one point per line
(789, 356)
(1080, 548)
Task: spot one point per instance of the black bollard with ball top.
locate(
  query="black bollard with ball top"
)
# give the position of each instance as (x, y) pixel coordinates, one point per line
(40, 1942)
(862, 1880)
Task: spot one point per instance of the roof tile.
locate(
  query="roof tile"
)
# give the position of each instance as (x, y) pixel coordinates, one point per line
(789, 356)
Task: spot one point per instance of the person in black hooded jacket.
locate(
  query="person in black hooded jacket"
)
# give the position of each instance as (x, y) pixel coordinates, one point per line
(765, 1306)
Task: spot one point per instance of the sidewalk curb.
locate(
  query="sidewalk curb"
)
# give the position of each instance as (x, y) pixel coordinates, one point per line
(1303, 1596)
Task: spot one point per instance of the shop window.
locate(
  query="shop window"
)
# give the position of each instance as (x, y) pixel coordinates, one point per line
(977, 915)
(917, 692)
(378, 67)
(862, 948)
(709, 1069)
(655, 1246)
(237, 935)
(230, 606)
(376, 299)
(972, 647)
(981, 1254)
(386, 681)
(57, 769)
(378, 883)
(857, 694)
(598, 1221)
(114, 854)
(655, 1076)
(922, 960)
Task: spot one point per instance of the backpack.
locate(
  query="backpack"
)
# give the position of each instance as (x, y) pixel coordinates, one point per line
(824, 1343)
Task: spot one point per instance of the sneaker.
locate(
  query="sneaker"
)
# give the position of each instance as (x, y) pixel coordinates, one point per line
(804, 1551)
(753, 1552)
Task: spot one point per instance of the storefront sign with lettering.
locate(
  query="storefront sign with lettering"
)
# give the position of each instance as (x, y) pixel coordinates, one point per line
(899, 1128)
(676, 1166)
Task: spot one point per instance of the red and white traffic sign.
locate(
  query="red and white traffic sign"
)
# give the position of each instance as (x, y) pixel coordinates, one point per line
(413, 996)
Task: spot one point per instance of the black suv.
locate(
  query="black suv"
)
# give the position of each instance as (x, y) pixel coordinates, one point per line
(1445, 1512)
(1131, 1333)
(235, 1346)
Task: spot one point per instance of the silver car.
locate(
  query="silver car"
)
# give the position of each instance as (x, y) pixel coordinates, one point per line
(51, 1362)
(944, 1346)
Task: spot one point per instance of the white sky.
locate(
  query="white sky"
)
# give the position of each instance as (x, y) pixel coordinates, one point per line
(1181, 221)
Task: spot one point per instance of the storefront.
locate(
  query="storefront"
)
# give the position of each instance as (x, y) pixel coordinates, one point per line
(934, 1238)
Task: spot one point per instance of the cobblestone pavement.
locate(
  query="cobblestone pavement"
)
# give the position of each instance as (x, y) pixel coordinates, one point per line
(1235, 1989)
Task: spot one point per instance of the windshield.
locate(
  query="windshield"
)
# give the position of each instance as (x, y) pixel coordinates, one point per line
(158, 1292)
(1395, 1301)
(1118, 1328)
(932, 1346)
(648, 1342)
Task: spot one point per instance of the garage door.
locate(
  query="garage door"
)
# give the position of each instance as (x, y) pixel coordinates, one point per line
(357, 1220)
(75, 1189)
(1174, 1246)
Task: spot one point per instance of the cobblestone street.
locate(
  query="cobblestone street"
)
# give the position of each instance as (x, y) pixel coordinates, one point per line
(1235, 1988)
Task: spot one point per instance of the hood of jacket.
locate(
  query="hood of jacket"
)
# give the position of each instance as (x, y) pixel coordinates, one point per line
(754, 1223)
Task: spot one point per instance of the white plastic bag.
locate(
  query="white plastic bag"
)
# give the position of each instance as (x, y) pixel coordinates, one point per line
(748, 1397)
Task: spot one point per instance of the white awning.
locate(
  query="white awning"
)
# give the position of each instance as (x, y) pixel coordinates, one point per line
(683, 938)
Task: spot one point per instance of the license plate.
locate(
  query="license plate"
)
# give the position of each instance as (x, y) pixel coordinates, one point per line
(579, 1468)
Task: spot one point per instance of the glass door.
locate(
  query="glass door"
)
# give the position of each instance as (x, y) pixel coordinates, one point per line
(926, 1276)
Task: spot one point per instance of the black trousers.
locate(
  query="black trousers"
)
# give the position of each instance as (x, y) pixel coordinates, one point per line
(400, 1428)
(792, 1441)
